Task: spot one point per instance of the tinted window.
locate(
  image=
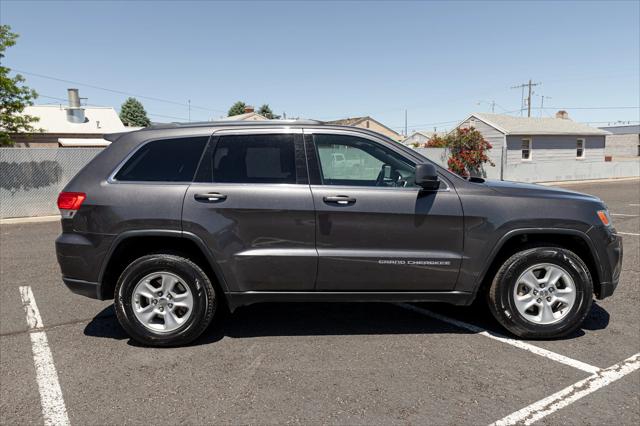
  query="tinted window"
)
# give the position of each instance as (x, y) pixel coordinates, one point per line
(254, 159)
(350, 160)
(167, 160)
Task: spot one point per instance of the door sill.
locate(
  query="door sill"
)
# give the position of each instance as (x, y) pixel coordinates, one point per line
(237, 299)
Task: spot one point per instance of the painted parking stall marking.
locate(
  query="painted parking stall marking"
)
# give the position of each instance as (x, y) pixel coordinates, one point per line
(517, 343)
(571, 394)
(54, 410)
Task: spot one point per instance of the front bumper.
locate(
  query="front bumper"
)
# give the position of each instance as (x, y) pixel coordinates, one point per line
(84, 288)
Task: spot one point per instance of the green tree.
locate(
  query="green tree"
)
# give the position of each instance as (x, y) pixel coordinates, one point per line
(265, 110)
(132, 113)
(14, 96)
(237, 108)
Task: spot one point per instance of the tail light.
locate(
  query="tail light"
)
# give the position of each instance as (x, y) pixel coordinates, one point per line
(70, 202)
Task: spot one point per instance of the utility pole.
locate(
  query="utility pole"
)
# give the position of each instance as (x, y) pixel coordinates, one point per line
(542, 103)
(493, 107)
(189, 102)
(405, 123)
(530, 86)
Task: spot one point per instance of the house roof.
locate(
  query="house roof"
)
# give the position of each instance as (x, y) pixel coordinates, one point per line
(98, 120)
(427, 133)
(254, 116)
(351, 121)
(510, 125)
(354, 121)
(623, 130)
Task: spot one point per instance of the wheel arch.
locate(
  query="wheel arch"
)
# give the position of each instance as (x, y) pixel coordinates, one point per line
(131, 245)
(514, 240)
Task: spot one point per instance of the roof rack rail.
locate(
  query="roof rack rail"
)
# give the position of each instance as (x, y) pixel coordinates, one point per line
(227, 123)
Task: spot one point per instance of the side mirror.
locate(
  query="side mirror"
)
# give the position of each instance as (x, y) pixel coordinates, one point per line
(427, 177)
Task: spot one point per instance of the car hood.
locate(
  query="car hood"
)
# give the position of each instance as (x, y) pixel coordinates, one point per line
(534, 190)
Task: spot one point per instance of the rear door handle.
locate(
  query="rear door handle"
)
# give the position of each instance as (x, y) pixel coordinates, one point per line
(210, 197)
(342, 200)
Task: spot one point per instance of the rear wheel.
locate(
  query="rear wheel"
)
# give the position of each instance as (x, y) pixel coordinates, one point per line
(543, 292)
(164, 300)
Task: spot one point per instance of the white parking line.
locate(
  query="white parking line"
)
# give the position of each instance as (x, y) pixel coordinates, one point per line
(624, 215)
(571, 394)
(628, 233)
(54, 411)
(517, 343)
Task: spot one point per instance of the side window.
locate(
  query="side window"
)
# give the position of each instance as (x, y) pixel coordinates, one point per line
(526, 149)
(580, 148)
(268, 158)
(354, 161)
(165, 160)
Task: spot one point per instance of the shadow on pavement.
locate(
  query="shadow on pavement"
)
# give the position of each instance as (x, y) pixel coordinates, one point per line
(309, 319)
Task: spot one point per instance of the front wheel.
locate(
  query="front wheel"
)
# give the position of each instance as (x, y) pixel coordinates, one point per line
(540, 293)
(164, 300)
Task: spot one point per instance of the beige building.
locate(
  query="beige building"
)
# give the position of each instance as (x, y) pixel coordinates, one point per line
(71, 125)
(369, 123)
(421, 137)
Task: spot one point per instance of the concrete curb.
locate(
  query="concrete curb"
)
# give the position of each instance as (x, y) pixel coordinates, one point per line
(579, 182)
(34, 219)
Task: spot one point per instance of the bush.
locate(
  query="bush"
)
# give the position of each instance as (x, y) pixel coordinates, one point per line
(467, 152)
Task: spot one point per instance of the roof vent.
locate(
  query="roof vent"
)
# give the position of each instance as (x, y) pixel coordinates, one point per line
(248, 109)
(75, 112)
(562, 114)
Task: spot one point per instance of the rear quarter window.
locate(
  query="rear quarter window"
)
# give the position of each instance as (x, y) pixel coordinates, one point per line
(165, 160)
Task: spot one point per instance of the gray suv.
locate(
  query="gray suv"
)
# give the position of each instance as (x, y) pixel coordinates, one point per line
(180, 221)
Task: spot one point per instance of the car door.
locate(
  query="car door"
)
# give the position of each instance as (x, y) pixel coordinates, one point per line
(376, 230)
(252, 206)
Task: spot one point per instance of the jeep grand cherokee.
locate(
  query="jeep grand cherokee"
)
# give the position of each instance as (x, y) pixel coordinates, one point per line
(180, 221)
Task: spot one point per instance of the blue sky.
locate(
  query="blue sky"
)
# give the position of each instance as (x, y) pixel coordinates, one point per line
(438, 60)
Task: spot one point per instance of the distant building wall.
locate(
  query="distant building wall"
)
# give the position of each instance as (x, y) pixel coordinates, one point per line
(376, 127)
(416, 138)
(622, 145)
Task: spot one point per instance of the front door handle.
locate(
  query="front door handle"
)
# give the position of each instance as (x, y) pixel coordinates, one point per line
(210, 197)
(342, 200)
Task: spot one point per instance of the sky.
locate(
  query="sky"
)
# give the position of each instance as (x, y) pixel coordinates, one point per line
(438, 61)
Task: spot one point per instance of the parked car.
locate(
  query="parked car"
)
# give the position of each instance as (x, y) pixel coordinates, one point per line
(179, 222)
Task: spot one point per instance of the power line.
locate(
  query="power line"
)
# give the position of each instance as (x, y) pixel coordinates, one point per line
(529, 85)
(151, 98)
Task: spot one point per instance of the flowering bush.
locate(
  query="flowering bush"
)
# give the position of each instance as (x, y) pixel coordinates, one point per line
(436, 142)
(467, 152)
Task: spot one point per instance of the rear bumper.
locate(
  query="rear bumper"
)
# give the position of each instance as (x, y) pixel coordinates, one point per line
(80, 258)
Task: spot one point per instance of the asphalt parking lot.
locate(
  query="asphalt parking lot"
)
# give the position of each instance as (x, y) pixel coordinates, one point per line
(318, 363)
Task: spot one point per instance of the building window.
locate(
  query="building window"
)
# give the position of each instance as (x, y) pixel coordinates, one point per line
(526, 149)
(580, 148)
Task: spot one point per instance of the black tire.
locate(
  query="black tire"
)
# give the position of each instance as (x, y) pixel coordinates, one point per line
(501, 300)
(204, 300)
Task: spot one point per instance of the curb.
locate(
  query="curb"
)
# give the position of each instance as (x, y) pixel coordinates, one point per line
(579, 182)
(35, 219)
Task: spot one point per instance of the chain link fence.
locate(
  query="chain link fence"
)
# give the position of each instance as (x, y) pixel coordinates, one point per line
(31, 178)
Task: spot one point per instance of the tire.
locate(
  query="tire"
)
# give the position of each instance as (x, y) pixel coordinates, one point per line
(511, 291)
(188, 304)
